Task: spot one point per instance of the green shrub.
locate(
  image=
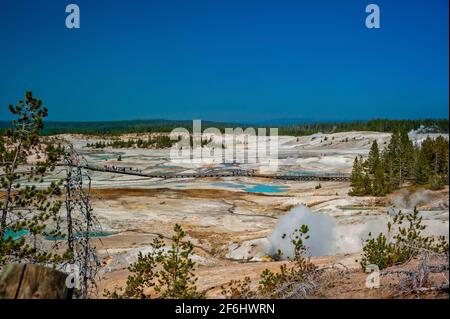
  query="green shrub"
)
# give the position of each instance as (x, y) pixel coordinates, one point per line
(436, 182)
(405, 238)
(274, 284)
(169, 274)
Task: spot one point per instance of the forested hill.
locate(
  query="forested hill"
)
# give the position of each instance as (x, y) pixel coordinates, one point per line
(160, 125)
(120, 127)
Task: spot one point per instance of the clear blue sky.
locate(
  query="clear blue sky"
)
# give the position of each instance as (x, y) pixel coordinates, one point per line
(226, 59)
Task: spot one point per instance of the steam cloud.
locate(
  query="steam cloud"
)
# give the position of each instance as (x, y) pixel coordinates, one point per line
(407, 199)
(320, 232)
(327, 237)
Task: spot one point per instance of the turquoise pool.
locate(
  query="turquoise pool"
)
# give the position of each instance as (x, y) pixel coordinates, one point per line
(262, 188)
(229, 185)
(14, 235)
(167, 166)
(258, 188)
(93, 234)
(18, 234)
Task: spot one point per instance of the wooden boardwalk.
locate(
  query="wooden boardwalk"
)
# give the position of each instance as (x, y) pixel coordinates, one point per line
(335, 177)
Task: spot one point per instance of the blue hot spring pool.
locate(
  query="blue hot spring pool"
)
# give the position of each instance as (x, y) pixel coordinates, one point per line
(93, 234)
(14, 235)
(257, 188)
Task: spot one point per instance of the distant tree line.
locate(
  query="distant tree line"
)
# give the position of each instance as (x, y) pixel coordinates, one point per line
(376, 125)
(301, 129)
(385, 171)
(153, 142)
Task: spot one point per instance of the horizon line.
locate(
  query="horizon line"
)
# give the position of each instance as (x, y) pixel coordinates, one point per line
(305, 120)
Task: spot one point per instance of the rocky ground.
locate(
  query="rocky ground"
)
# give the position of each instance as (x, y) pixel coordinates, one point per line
(231, 220)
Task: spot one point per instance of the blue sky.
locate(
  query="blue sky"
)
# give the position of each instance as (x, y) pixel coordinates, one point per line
(227, 60)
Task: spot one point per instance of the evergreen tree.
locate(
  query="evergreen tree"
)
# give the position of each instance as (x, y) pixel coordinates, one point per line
(405, 157)
(439, 159)
(387, 168)
(421, 167)
(378, 184)
(392, 164)
(374, 157)
(25, 210)
(170, 273)
(436, 181)
(427, 163)
(357, 179)
(367, 183)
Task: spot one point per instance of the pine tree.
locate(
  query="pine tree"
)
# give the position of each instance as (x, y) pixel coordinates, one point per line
(421, 167)
(405, 157)
(357, 178)
(427, 163)
(386, 164)
(436, 181)
(170, 273)
(440, 158)
(25, 210)
(392, 163)
(378, 184)
(374, 157)
(399, 159)
(367, 183)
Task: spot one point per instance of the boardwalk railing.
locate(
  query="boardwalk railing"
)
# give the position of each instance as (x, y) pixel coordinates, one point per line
(338, 177)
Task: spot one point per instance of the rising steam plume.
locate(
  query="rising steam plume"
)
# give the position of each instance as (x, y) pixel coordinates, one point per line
(320, 226)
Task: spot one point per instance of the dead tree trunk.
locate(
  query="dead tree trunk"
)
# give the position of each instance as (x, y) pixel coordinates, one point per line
(68, 202)
(80, 220)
